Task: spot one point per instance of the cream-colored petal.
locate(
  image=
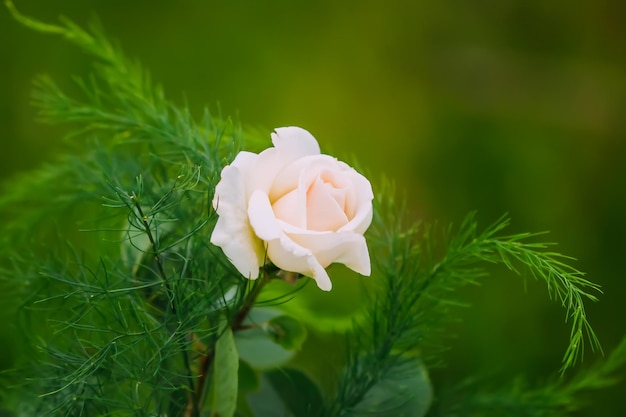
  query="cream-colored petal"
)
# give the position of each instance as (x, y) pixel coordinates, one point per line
(233, 188)
(262, 218)
(244, 161)
(362, 204)
(361, 221)
(281, 250)
(299, 172)
(290, 144)
(294, 142)
(289, 256)
(242, 248)
(323, 212)
(263, 173)
(232, 231)
(287, 209)
(345, 248)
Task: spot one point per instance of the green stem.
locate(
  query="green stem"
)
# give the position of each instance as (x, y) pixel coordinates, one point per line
(236, 324)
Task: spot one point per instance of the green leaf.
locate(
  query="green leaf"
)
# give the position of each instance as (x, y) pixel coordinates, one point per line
(266, 402)
(248, 379)
(405, 391)
(324, 312)
(248, 382)
(225, 375)
(297, 391)
(256, 347)
(243, 407)
(287, 332)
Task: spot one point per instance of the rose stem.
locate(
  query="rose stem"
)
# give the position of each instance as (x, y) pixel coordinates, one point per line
(236, 325)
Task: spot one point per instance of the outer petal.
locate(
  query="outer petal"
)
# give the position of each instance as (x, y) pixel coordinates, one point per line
(232, 188)
(364, 210)
(233, 232)
(346, 248)
(290, 145)
(262, 218)
(263, 174)
(294, 142)
(289, 256)
(361, 221)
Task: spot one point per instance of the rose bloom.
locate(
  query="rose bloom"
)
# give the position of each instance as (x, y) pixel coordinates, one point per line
(294, 206)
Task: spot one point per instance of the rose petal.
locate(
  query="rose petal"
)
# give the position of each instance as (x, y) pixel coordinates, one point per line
(299, 173)
(361, 221)
(289, 256)
(262, 175)
(345, 248)
(281, 250)
(262, 218)
(362, 206)
(339, 187)
(232, 187)
(290, 144)
(294, 142)
(288, 210)
(239, 244)
(232, 231)
(322, 209)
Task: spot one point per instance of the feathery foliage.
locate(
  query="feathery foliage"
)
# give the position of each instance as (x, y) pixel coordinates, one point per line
(127, 327)
(138, 314)
(558, 397)
(419, 274)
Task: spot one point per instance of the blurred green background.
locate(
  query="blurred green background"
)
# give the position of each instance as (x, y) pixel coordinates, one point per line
(514, 106)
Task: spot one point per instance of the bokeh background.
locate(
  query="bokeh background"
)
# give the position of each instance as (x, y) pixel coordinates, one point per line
(514, 106)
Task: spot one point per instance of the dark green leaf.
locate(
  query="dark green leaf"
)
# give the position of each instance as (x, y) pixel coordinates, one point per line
(266, 402)
(297, 391)
(404, 392)
(287, 332)
(248, 379)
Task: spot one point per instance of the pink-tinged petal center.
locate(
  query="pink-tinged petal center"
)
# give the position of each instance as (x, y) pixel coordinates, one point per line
(287, 209)
(325, 206)
(321, 201)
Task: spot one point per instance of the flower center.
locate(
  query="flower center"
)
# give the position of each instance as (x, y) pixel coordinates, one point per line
(321, 205)
(325, 206)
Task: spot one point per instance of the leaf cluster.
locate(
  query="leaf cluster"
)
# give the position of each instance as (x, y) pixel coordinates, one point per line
(419, 268)
(133, 301)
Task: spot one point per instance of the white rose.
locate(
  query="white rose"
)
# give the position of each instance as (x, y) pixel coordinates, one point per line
(303, 209)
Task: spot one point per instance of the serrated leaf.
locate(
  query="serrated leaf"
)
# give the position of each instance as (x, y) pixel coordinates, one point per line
(287, 332)
(225, 375)
(405, 391)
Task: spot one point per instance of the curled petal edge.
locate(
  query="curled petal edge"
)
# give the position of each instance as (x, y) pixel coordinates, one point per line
(282, 250)
(232, 231)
